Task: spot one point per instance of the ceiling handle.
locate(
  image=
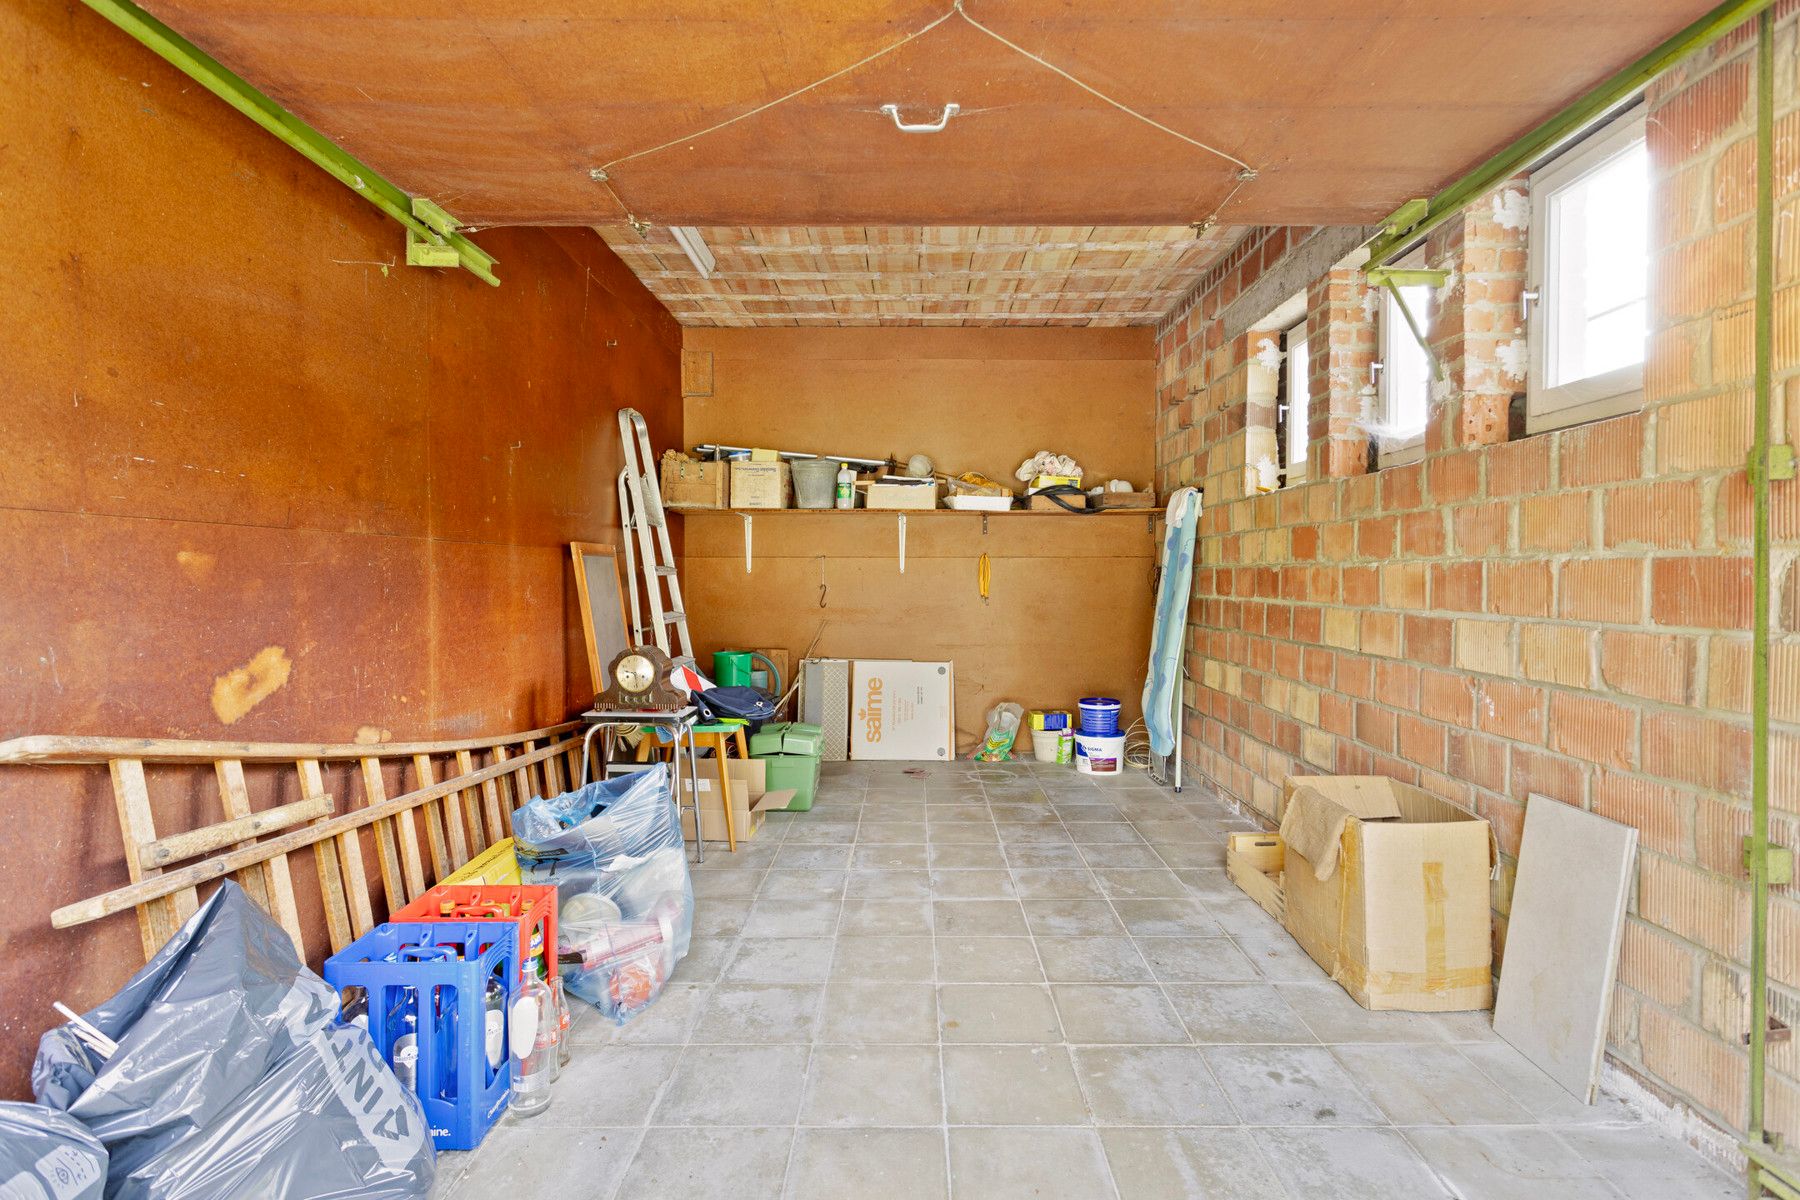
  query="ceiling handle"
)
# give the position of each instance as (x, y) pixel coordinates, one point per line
(893, 110)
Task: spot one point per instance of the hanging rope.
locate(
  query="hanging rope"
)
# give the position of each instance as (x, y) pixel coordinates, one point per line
(603, 173)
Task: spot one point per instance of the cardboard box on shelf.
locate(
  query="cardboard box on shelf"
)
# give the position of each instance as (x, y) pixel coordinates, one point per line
(760, 485)
(902, 497)
(1045, 504)
(750, 802)
(1254, 861)
(690, 484)
(902, 710)
(1387, 889)
(1114, 500)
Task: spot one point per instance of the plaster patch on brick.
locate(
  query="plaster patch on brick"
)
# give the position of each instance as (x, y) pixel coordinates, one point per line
(1512, 357)
(1268, 355)
(1370, 301)
(1512, 209)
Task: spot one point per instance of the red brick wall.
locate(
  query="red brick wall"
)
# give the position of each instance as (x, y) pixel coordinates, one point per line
(1563, 615)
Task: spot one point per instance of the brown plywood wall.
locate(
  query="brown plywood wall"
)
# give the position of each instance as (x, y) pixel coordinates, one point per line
(1070, 602)
(231, 422)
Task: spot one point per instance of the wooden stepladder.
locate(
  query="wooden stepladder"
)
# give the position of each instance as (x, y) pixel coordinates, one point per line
(648, 551)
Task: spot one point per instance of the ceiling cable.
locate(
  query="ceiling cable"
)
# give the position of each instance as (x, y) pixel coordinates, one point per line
(1246, 172)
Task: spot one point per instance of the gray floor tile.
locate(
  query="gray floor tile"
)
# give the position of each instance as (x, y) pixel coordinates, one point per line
(1350, 1164)
(1189, 1164)
(1429, 1085)
(781, 960)
(747, 1013)
(781, 884)
(874, 1085)
(774, 916)
(1092, 960)
(972, 885)
(1289, 1085)
(889, 858)
(1071, 918)
(835, 1164)
(1028, 1164)
(1056, 883)
(883, 957)
(1196, 960)
(1645, 1164)
(987, 960)
(523, 1158)
(964, 857)
(609, 1086)
(1141, 883)
(1237, 1012)
(1043, 856)
(1171, 917)
(669, 1021)
(879, 1011)
(1333, 1017)
(1510, 1164)
(885, 917)
(1011, 1085)
(734, 1085)
(888, 885)
(1150, 1085)
(978, 918)
(1277, 957)
(801, 857)
(1134, 1014)
(1122, 856)
(702, 1164)
(1541, 1095)
(1000, 1012)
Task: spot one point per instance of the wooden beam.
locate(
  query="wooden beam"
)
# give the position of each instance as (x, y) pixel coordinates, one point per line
(178, 847)
(57, 748)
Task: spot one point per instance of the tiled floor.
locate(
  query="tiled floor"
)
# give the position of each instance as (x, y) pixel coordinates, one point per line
(998, 982)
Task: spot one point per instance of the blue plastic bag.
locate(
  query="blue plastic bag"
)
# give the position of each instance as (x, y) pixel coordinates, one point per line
(625, 902)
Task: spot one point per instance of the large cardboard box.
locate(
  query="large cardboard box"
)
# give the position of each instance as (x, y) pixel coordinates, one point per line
(760, 485)
(690, 484)
(902, 710)
(750, 802)
(1386, 887)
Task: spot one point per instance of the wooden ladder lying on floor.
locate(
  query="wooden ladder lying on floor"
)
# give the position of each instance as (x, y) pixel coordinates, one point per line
(462, 814)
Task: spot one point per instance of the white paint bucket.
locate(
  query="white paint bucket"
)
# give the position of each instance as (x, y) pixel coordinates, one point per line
(1099, 755)
(1044, 744)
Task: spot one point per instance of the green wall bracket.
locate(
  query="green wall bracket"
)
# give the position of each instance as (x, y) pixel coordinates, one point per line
(1407, 224)
(1781, 863)
(1407, 276)
(439, 229)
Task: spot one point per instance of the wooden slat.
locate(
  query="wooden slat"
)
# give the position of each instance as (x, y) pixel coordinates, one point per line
(178, 847)
(452, 806)
(152, 888)
(479, 836)
(56, 748)
(434, 821)
(272, 877)
(328, 859)
(157, 922)
(387, 850)
(506, 786)
(531, 787)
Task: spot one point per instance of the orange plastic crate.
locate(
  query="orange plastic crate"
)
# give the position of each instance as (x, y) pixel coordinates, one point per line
(533, 908)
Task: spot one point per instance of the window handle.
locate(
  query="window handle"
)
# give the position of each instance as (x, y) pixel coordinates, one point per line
(1527, 298)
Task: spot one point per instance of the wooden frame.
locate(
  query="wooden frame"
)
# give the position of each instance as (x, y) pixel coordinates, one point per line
(577, 550)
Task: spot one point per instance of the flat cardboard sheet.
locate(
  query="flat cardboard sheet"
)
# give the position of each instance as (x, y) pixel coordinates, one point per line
(1562, 940)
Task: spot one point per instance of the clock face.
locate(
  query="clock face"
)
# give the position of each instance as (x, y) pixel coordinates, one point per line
(635, 673)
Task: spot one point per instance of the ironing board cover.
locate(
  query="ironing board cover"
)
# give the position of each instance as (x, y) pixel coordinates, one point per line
(1171, 619)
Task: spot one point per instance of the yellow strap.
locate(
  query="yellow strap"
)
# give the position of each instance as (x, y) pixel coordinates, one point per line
(984, 575)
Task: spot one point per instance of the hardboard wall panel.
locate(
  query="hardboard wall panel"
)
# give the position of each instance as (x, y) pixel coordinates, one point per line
(237, 426)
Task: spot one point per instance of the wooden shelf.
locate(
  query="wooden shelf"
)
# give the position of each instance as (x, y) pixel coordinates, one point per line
(903, 512)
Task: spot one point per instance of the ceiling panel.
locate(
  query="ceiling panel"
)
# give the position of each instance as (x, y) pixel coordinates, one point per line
(1345, 108)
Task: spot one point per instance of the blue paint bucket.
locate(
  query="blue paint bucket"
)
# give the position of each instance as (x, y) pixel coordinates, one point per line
(1099, 716)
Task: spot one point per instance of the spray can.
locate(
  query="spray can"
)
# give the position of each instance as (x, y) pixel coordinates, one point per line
(846, 486)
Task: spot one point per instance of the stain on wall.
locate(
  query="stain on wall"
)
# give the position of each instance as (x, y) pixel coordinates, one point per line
(261, 481)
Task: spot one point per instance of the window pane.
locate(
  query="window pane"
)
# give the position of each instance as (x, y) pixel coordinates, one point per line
(1599, 269)
(1406, 376)
(1298, 372)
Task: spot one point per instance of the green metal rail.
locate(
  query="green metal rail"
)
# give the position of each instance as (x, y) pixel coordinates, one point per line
(1416, 218)
(431, 236)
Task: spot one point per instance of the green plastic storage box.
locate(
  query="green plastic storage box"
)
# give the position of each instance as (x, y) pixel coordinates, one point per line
(787, 737)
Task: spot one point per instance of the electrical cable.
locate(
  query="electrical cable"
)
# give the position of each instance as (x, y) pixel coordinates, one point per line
(1246, 173)
(1137, 745)
(1056, 492)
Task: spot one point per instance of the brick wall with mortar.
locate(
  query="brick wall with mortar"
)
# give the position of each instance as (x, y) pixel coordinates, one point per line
(1563, 615)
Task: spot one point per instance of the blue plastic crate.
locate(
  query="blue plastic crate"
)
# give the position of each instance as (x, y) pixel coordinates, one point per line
(440, 969)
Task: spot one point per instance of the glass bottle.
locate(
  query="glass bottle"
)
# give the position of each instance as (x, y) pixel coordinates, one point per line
(533, 1037)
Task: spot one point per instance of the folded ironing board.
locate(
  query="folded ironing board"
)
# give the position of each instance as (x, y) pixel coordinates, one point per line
(1163, 684)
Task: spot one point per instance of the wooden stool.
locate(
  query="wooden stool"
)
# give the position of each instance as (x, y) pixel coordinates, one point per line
(718, 736)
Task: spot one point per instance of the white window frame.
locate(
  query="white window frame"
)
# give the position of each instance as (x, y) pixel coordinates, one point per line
(1390, 327)
(1297, 420)
(1612, 393)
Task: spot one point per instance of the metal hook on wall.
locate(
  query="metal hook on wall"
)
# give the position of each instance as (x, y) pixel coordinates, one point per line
(893, 110)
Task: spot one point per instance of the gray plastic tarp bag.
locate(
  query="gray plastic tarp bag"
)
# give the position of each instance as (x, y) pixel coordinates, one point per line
(232, 1077)
(48, 1155)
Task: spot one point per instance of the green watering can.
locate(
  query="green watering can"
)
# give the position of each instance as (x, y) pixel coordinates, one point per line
(732, 668)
